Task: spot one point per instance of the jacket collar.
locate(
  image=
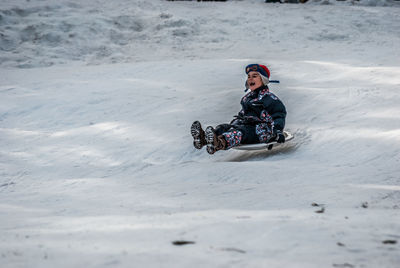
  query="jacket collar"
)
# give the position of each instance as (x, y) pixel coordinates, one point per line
(259, 89)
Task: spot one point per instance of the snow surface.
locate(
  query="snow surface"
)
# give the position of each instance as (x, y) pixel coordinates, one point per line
(96, 159)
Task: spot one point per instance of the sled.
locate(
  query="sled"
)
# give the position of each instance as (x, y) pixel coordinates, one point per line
(264, 146)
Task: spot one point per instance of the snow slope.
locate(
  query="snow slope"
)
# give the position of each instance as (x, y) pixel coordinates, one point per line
(96, 161)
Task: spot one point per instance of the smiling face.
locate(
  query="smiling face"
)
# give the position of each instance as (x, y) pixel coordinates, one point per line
(254, 80)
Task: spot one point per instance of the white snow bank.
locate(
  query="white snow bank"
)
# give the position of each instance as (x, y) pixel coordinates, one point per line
(44, 33)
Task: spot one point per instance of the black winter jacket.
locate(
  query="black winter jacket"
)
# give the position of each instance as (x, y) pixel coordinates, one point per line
(261, 106)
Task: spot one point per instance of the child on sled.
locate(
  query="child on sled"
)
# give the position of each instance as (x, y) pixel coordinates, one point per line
(261, 119)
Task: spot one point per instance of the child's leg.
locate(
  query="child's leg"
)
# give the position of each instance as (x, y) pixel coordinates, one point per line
(240, 134)
(264, 132)
(233, 137)
(222, 128)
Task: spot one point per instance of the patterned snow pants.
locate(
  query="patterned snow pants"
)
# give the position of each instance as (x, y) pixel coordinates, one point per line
(265, 130)
(247, 134)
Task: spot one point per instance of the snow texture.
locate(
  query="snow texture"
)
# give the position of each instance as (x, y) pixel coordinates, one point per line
(96, 159)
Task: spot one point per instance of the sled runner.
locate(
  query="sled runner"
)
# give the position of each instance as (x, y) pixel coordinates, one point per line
(264, 146)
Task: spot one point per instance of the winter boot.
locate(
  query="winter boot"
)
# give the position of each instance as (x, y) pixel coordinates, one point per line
(214, 142)
(198, 135)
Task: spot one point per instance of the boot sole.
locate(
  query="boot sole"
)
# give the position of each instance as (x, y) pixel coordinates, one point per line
(195, 131)
(209, 133)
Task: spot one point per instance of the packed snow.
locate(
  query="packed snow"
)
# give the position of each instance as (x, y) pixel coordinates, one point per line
(96, 158)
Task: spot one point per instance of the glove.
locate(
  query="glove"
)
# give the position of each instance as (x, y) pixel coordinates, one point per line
(279, 136)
